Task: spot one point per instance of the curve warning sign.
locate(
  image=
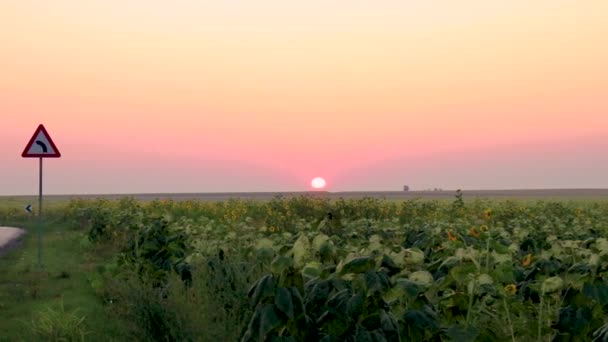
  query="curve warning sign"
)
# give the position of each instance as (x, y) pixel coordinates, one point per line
(41, 145)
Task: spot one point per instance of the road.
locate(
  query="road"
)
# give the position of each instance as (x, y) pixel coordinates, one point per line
(9, 237)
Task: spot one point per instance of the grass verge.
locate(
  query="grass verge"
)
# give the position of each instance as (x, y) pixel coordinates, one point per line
(38, 299)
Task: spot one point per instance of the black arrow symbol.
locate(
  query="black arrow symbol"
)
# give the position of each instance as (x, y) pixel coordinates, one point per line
(42, 145)
(28, 208)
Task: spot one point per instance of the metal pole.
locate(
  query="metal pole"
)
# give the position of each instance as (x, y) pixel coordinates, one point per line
(40, 217)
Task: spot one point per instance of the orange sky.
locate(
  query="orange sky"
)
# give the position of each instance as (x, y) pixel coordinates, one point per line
(151, 95)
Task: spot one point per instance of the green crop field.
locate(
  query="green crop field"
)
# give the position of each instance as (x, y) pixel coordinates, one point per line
(310, 269)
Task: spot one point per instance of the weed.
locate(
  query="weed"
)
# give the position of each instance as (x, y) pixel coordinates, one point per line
(57, 324)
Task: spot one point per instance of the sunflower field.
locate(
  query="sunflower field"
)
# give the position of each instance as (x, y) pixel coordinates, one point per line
(314, 269)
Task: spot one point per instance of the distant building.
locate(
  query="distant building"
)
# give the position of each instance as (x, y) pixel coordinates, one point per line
(406, 188)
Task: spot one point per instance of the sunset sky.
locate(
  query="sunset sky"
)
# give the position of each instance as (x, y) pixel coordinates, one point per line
(213, 96)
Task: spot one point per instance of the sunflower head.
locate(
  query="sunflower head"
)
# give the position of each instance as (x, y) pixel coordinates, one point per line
(511, 289)
(474, 232)
(487, 214)
(527, 260)
(451, 236)
(483, 228)
(272, 229)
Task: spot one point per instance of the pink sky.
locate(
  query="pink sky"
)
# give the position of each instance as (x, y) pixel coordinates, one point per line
(197, 96)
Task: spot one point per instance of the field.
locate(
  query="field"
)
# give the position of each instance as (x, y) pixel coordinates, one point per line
(526, 194)
(313, 268)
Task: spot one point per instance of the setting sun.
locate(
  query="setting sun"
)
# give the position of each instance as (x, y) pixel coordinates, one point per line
(318, 183)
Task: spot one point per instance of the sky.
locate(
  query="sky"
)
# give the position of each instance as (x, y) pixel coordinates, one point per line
(147, 96)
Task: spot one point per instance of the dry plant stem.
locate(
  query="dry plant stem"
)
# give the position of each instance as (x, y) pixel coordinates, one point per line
(471, 299)
(504, 302)
(540, 316)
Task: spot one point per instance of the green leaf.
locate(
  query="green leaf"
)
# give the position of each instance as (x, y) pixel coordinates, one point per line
(417, 323)
(264, 243)
(403, 288)
(601, 245)
(362, 334)
(338, 303)
(573, 320)
(398, 258)
(479, 282)
(388, 323)
(389, 265)
(597, 292)
(317, 296)
(552, 284)
(301, 250)
(413, 256)
(377, 281)
(319, 240)
(449, 262)
(462, 274)
(499, 248)
(359, 265)
(601, 334)
(262, 289)
(423, 319)
(355, 305)
(333, 324)
(377, 336)
(253, 327)
(422, 278)
(312, 269)
(372, 322)
(297, 301)
(327, 251)
(375, 244)
(291, 277)
(280, 263)
(504, 273)
(327, 271)
(264, 254)
(269, 320)
(284, 302)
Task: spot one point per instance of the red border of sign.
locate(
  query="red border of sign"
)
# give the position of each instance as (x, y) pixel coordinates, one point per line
(57, 154)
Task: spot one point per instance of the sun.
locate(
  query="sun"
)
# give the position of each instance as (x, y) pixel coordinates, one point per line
(318, 183)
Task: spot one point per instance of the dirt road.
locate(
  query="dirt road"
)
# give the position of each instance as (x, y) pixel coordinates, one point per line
(9, 237)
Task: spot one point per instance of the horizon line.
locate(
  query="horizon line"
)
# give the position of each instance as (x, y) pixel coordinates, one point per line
(305, 192)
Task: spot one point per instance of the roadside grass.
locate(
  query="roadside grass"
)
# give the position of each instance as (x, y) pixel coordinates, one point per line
(19, 202)
(59, 290)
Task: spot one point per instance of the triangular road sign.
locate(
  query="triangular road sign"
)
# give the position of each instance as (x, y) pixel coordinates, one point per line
(41, 145)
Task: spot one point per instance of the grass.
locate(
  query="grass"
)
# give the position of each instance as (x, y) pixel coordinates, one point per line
(60, 286)
(19, 202)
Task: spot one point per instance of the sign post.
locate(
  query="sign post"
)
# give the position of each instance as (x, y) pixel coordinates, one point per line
(40, 146)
